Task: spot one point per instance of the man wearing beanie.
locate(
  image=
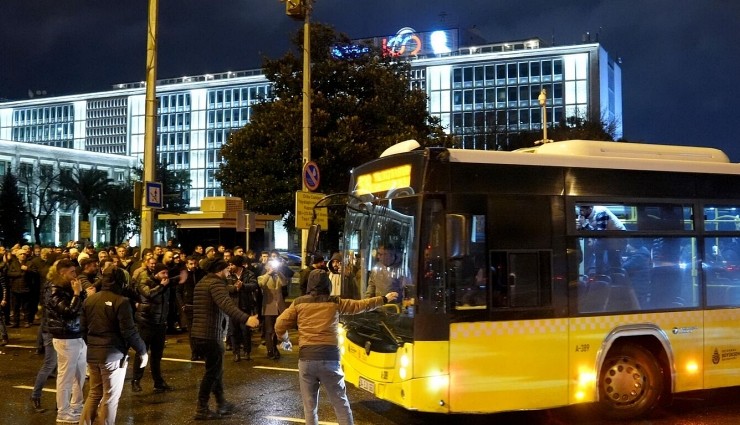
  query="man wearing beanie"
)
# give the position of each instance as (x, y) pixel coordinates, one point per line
(211, 303)
(316, 315)
(317, 263)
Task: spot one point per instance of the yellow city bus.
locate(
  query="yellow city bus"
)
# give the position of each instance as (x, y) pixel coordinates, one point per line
(508, 304)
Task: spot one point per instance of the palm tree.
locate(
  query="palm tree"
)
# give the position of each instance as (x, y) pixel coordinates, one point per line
(85, 188)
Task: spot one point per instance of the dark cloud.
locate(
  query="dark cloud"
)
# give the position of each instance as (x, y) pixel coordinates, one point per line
(680, 57)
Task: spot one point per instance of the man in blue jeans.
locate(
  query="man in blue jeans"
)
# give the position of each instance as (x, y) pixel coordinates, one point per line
(316, 315)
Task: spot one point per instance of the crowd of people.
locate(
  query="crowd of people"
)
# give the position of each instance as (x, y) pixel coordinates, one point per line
(153, 292)
(96, 306)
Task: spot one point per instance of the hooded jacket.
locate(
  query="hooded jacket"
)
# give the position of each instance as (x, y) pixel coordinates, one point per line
(316, 315)
(107, 323)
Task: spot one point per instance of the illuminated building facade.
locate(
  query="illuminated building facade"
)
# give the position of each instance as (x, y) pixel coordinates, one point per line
(37, 166)
(481, 93)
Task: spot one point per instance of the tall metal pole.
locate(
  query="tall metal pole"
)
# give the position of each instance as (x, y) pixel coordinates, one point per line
(306, 110)
(542, 98)
(150, 124)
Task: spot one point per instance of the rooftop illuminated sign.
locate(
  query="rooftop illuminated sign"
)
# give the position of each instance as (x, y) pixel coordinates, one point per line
(408, 42)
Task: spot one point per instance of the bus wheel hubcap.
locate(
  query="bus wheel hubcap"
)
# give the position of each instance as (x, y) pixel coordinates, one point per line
(624, 383)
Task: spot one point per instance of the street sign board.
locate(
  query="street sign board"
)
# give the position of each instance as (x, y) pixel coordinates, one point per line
(311, 176)
(154, 194)
(304, 202)
(85, 230)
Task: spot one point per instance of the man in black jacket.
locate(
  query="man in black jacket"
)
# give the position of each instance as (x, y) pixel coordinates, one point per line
(245, 292)
(109, 330)
(151, 319)
(211, 302)
(189, 276)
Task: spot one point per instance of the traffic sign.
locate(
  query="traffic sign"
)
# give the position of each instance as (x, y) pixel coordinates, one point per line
(311, 176)
(304, 202)
(154, 194)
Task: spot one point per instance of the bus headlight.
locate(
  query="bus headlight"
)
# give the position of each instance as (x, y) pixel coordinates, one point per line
(404, 360)
(404, 364)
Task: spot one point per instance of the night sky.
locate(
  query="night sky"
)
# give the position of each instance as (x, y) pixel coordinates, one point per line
(680, 58)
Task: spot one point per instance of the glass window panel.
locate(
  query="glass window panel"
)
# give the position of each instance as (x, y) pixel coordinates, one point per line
(457, 76)
(513, 95)
(534, 69)
(468, 77)
(631, 280)
(523, 70)
(546, 69)
(524, 93)
(557, 67)
(722, 218)
(512, 71)
(468, 97)
(500, 74)
(490, 73)
(479, 96)
(479, 73)
(581, 91)
(524, 117)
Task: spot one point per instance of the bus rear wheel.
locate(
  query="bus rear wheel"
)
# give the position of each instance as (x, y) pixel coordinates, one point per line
(630, 382)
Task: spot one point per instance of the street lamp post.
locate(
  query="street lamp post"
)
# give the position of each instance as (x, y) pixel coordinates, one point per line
(301, 9)
(306, 111)
(542, 99)
(150, 125)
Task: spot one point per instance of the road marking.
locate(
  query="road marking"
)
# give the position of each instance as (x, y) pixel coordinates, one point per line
(297, 420)
(284, 369)
(170, 359)
(27, 387)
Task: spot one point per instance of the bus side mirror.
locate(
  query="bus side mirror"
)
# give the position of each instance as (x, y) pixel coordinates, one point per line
(312, 241)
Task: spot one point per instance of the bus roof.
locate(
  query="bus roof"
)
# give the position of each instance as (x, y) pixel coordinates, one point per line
(608, 155)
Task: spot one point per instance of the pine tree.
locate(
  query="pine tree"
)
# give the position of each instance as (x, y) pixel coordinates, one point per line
(13, 214)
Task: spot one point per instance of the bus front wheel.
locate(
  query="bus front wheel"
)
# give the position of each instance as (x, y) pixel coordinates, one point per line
(630, 382)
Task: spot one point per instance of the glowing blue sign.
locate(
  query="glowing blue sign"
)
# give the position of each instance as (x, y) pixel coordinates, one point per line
(408, 42)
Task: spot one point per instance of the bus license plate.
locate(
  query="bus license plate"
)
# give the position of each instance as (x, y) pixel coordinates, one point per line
(367, 385)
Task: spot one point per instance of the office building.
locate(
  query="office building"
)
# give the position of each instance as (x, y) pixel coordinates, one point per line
(481, 92)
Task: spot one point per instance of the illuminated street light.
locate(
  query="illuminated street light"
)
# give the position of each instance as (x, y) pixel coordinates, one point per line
(542, 98)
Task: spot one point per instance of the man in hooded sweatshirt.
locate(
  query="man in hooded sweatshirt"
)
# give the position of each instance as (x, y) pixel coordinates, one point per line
(316, 315)
(108, 328)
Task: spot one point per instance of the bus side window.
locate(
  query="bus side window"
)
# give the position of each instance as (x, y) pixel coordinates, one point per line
(521, 278)
(467, 274)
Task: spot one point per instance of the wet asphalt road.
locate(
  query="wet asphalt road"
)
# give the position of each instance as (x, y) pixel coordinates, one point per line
(266, 392)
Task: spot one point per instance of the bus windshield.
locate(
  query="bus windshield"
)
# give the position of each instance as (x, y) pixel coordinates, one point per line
(379, 257)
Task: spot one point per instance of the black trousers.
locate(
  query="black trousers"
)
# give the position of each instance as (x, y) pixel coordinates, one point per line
(21, 302)
(241, 336)
(213, 378)
(154, 337)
